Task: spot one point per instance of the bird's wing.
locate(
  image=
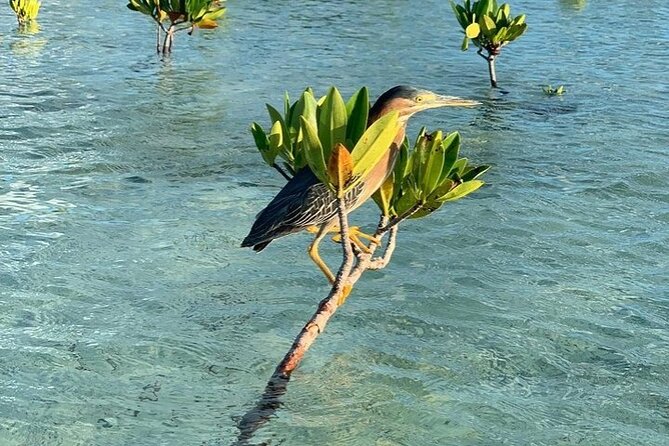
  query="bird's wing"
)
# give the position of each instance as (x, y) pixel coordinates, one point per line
(304, 201)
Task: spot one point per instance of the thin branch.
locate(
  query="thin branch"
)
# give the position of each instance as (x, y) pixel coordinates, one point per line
(183, 28)
(382, 262)
(347, 263)
(480, 53)
(282, 172)
(398, 219)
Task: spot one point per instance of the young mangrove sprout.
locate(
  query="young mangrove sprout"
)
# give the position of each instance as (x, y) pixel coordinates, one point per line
(557, 91)
(172, 16)
(490, 27)
(26, 11)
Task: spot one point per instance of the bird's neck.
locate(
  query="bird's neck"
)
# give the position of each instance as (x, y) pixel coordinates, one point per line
(376, 113)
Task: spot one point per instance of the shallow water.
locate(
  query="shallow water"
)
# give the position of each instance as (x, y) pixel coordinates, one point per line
(534, 312)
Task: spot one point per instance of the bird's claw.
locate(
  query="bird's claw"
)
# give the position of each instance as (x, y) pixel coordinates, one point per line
(354, 235)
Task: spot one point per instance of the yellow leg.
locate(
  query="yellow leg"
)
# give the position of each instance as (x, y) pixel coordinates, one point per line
(315, 256)
(354, 234)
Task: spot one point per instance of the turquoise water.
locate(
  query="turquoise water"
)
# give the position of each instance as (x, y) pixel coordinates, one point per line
(533, 313)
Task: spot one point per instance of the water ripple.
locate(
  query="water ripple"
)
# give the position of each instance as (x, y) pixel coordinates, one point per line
(534, 312)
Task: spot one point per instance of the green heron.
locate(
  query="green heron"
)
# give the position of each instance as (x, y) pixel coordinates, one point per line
(306, 203)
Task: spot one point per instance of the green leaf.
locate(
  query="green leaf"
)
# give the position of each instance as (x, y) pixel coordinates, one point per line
(275, 116)
(214, 15)
(293, 122)
(459, 166)
(419, 154)
(384, 195)
(310, 109)
(286, 106)
(461, 190)
(445, 187)
(515, 31)
(275, 140)
(373, 145)
(140, 6)
(500, 35)
(406, 201)
(433, 165)
(460, 14)
(332, 121)
(481, 7)
(465, 44)
(357, 109)
(488, 26)
(313, 150)
(262, 143)
(474, 172)
(451, 146)
(402, 165)
(505, 11)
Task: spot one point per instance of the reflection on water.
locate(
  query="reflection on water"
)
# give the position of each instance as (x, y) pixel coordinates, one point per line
(29, 28)
(29, 46)
(534, 312)
(577, 5)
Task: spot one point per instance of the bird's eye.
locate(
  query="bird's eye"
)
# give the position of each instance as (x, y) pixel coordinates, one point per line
(419, 99)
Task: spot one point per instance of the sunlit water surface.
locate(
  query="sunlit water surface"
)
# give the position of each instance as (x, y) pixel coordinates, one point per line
(535, 312)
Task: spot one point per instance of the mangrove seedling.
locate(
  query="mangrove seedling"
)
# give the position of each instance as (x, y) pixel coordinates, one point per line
(327, 180)
(558, 91)
(490, 27)
(172, 16)
(26, 11)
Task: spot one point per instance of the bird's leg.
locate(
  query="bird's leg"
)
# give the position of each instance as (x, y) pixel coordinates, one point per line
(354, 235)
(313, 251)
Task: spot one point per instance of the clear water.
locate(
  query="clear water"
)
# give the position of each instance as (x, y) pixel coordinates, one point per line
(536, 312)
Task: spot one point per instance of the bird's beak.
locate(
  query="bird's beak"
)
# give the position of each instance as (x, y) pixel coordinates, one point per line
(451, 101)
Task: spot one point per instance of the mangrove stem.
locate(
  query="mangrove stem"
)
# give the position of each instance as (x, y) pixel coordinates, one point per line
(352, 267)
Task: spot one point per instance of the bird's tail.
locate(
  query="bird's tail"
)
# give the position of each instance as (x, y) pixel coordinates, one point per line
(257, 244)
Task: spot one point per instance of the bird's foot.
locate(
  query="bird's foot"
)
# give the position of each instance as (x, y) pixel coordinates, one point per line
(354, 235)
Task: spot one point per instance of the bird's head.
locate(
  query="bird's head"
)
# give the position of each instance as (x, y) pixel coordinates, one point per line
(409, 101)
